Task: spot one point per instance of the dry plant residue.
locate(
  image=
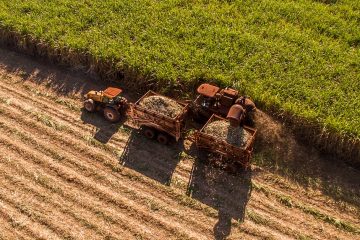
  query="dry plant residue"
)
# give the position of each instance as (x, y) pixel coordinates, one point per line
(221, 129)
(162, 105)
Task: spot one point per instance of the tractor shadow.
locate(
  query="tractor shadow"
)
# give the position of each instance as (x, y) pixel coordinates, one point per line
(151, 158)
(104, 129)
(226, 192)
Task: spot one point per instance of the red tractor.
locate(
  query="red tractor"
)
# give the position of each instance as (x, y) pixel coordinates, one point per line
(214, 100)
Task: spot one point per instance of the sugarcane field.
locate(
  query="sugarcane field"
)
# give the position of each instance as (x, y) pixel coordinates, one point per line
(179, 119)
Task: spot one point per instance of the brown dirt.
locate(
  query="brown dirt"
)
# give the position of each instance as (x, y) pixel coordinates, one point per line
(70, 174)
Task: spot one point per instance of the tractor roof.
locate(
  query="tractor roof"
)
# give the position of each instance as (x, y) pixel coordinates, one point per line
(111, 92)
(208, 90)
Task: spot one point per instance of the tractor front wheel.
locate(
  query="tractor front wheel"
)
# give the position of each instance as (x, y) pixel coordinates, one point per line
(111, 114)
(89, 105)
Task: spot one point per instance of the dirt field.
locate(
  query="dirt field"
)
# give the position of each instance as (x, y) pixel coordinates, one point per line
(70, 174)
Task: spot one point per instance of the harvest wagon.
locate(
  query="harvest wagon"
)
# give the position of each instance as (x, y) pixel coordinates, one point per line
(238, 154)
(155, 121)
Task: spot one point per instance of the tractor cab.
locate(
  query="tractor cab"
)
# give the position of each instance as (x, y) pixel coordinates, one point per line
(108, 95)
(112, 95)
(215, 99)
(109, 100)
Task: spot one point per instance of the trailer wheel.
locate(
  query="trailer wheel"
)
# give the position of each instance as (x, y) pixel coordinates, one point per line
(89, 105)
(111, 114)
(162, 138)
(149, 133)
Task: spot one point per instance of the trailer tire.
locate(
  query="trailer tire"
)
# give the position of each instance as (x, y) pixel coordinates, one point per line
(163, 139)
(89, 105)
(111, 114)
(149, 133)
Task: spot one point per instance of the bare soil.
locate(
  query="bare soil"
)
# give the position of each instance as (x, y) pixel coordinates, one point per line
(70, 174)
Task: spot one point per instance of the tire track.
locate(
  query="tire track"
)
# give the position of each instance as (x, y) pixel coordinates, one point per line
(45, 220)
(74, 194)
(97, 227)
(8, 231)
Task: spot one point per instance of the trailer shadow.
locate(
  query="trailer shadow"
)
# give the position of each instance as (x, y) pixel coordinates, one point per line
(225, 192)
(150, 158)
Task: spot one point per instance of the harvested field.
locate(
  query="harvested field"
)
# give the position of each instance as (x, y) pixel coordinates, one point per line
(222, 129)
(162, 105)
(68, 174)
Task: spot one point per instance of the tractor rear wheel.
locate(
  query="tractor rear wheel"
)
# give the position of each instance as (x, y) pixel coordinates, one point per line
(89, 105)
(162, 138)
(111, 114)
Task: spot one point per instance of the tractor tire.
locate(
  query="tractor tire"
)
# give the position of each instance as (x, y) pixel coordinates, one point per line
(149, 133)
(111, 114)
(162, 138)
(89, 105)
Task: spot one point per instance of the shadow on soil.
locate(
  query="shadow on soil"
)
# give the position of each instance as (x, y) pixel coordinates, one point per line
(150, 158)
(64, 81)
(104, 129)
(225, 192)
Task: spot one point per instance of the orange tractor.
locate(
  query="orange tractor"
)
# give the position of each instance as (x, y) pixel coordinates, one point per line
(109, 101)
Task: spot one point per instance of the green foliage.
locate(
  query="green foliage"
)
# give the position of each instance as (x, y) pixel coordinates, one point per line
(299, 56)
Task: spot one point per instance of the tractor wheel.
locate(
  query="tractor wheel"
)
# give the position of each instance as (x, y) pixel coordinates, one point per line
(149, 133)
(89, 105)
(162, 138)
(111, 114)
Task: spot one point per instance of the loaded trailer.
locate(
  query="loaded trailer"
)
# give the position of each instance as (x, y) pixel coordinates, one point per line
(154, 123)
(231, 153)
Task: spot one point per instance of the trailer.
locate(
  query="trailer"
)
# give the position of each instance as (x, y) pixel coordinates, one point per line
(231, 154)
(156, 125)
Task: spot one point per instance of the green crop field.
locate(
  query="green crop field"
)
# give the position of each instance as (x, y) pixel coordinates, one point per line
(302, 57)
